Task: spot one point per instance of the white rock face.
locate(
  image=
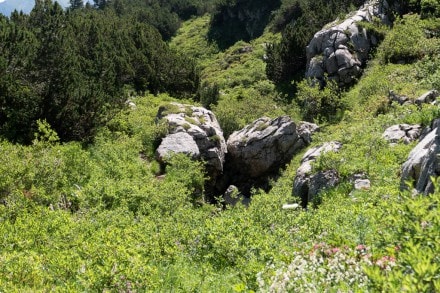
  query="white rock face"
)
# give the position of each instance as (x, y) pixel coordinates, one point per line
(341, 48)
(194, 131)
(402, 133)
(267, 144)
(306, 185)
(362, 184)
(429, 97)
(180, 142)
(423, 163)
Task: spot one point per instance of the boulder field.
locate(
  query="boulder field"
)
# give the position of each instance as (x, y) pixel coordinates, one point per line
(247, 159)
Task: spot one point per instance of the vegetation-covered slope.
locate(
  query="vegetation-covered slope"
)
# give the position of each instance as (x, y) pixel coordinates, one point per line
(96, 217)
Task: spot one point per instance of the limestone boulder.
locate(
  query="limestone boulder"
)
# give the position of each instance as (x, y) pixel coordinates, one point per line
(399, 99)
(429, 97)
(341, 49)
(194, 131)
(308, 184)
(402, 133)
(266, 145)
(180, 142)
(305, 131)
(362, 184)
(434, 124)
(321, 181)
(422, 164)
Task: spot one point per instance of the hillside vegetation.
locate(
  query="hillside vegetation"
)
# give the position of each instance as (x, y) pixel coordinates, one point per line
(84, 206)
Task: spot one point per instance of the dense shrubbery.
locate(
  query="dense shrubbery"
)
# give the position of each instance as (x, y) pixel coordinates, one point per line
(319, 104)
(70, 68)
(411, 39)
(411, 236)
(97, 217)
(237, 20)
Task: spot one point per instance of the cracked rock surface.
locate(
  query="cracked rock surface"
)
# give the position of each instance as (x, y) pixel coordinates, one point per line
(423, 163)
(308, 184)
(194, 131)
(341, 48)
(402, 133)
(251, 156)
(267, 144)
(257, 152)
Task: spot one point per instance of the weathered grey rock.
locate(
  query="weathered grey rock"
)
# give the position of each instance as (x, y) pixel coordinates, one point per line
(194, 131)
(305, 131)
(401, 100)
(321, 181)
(341, 48)
(131, 104)
(307, 185)
(362, 184)
(429, 97)
(423, 163)
(243, 50)
(231, 195)
(402, 133)
(266, 145)
(180, 142)
(434, 124)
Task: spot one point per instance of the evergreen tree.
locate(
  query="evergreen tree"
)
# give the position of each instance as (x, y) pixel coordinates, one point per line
(76, 4)
(70, 69)
(240, 20)
(101, 4)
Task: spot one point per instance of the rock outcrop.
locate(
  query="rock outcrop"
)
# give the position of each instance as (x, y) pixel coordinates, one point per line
(402, 133)
(260, 149)
(341, 48)
(434, 124)
(399, 99)
(429, 97)
(266, 144)
(307, 185)
(194, 131)
(423, 163)
(251, 156)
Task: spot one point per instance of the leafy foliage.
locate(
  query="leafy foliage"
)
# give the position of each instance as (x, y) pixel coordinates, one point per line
(97, 217)
(71, 68)
(412, 235)
(321, 104)
(409, 40)
(236, 20)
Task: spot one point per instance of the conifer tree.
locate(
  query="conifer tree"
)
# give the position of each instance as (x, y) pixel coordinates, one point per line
(101, 4)
(75, 4)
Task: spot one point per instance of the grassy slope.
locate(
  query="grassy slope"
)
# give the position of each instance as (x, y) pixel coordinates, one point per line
(130, 231)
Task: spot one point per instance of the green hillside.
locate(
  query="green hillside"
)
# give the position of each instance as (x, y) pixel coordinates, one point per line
(85, 206)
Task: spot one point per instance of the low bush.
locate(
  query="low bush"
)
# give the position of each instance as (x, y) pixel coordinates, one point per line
(320, 104)
(407, 41)
(411, 234)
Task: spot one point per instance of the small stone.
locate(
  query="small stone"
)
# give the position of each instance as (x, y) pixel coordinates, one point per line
(362, 184)
(290, 206)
